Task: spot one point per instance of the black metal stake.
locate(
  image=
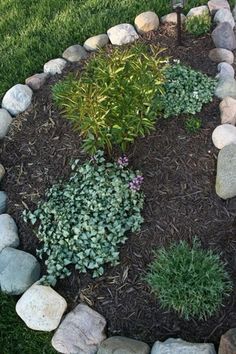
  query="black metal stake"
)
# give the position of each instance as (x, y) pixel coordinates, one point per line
(179, 29)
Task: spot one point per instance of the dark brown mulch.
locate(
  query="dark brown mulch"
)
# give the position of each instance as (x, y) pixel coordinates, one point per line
(181, 203)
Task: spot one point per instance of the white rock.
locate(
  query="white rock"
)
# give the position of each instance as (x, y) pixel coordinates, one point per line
(172, 18)
(8, 232)
(41, 308)
(179, 346)
(75, 53)
(122, 34)
(146, 22)
(226, 176)
(54, 66)
(228, 111)
(198, 11)
(96, 42)
(223, 135)
(17, 99)
(224, 15)
(81, 331)
(219, 55)
(5, 122)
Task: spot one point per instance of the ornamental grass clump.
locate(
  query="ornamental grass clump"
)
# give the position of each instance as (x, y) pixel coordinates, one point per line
(85, 220)
(189, 280)
(112, 102)
(186, 90)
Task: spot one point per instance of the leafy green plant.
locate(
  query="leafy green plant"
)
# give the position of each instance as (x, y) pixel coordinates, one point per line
(84, 220)
(189, 280)
(198, 25)
(186, 90)
(112, 102)
(193, 124)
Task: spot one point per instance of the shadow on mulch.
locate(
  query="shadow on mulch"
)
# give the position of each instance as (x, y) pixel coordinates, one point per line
(180, 203)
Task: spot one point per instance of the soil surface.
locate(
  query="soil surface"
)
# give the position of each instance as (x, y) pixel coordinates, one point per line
(180, 203)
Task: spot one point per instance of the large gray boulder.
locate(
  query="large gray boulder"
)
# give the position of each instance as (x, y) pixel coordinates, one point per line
(224, 37)
(226, 88)
(121, 345)
(8, 232)
(2, 172)
(225, 71)
(179, 346)
(226, 176)
(18, 271)
(5, 122)
(234, 12)
(17, 99)
(219, 55)
(122, 34)
(224, 15)
(146, 22)
(96, 42)
(41, 308)
(81, 331)
(3, 202)
(75, 53)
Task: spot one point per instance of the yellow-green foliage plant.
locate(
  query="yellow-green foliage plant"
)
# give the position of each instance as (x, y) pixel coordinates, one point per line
(113, 101)
(198, 25)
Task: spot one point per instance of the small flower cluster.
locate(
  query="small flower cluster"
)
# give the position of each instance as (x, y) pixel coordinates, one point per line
(123, 161)
(136, 183)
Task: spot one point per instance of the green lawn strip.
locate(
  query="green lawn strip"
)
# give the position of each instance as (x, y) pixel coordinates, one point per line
(15, 337)
(32, 32)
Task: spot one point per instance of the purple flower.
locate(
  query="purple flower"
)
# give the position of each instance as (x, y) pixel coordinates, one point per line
(136, 183)
(123, 161)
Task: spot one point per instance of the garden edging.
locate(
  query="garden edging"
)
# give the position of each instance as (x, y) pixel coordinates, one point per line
(17, 100)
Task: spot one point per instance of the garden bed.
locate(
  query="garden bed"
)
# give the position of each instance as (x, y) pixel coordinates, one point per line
(180, 203)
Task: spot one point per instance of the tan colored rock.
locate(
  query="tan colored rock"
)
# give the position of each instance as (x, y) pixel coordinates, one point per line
(215, 5)
(198, 11)
(146, 22)
(120, 345)
(2, 172)
(228, 342)
(81, 331)
(172, 18)
(219, 55)
(36, 81)
(96, 42)
(228, 111)
(41, 308)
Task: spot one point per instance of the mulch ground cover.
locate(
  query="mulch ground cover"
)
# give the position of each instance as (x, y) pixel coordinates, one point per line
(180, 203)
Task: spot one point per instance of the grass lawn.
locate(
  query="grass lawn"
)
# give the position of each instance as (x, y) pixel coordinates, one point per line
(15, 337)
(32, 32)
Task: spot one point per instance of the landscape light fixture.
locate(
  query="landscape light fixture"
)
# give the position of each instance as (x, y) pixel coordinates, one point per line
(178, 6)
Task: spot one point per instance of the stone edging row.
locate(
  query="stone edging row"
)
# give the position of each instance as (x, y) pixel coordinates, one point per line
(41, 308)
